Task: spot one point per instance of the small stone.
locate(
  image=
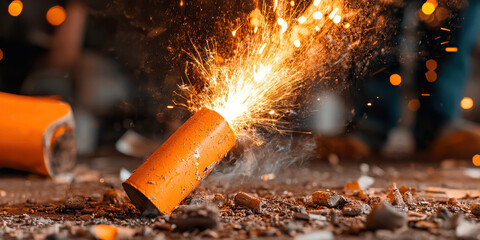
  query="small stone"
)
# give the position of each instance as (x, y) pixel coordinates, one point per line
(425, 225)
(76, 203)
(395, 197)
(475, 209)
(408, 198)
(101, 213)
(443, 213)
(453, 201)
(356, 208)
(327, 199)
(385, 216)
(111, 196)
(85, 217)
(352, 211)
(301, 216)
(162, 226)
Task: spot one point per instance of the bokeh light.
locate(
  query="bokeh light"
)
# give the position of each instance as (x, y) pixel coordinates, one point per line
(431, 65)
(428, 8)
(431, 76)
(476, 160)
(1, 54)
(337, 19)
(395, 79)
(414, 105)
(56, 15)
(466, 103)
(15, 8)
(296, 43)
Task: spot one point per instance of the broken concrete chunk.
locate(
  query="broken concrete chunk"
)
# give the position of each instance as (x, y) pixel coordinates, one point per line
(76, 203)
(395, 197)
(385, 216)
(327, 199)
(246, 200)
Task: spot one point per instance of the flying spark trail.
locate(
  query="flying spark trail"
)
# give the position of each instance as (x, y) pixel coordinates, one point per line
(274, 60)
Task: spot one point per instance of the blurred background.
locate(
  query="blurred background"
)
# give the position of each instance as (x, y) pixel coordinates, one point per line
(118, 63)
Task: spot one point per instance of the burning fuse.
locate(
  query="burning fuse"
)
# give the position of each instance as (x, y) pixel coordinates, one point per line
(178, 166)
(36, 134)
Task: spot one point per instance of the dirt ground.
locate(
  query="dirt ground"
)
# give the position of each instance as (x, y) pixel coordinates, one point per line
(351, 200)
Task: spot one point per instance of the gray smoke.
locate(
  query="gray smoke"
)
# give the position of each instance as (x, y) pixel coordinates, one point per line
(254, 161)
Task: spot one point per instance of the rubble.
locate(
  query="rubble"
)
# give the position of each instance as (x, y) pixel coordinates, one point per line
(190, 218)
(76, 203)
(395, 197)
(385, 216)
(475, 209)
(327, 199)
(212, 211)
(245, 200)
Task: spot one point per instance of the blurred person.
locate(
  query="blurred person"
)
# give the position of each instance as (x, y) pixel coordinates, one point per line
(438, 127)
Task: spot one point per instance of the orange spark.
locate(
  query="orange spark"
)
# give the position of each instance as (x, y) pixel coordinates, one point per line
(451, 49)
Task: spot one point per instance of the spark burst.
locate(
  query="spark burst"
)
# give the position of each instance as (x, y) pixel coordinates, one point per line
(273, 62)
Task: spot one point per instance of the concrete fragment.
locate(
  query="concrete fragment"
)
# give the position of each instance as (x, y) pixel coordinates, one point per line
(327, 199)
(385, 216)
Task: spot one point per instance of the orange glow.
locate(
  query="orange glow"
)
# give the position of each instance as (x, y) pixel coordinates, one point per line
(105, 232)
(369, 104)
(296, 43)
(302, 19)
(317, 15)
(431, 76)
(476, 160)
(337, 19)
(333, 13)
(1, 54)
(425, 94)
(431, 64)
(451, 49)
(414, 105)
(428, 8)
(169, 106)
(56, 15)
(15, 8)
(466, 103)
(445, 29)
(395, 79)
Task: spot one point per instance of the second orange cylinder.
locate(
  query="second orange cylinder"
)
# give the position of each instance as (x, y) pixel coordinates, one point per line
(178, 166)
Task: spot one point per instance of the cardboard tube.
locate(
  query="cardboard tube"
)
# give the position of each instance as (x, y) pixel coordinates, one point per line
(36, 134)
(178, 166)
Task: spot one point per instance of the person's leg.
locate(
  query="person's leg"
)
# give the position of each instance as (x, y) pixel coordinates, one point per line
(378, 110)
(443, 104)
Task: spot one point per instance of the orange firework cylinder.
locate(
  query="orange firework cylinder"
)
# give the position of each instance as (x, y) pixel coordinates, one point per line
(178, 166)
(36, 134)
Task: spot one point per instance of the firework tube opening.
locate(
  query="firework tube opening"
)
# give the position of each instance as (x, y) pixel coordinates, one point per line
(178, 166)
(37, 134)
